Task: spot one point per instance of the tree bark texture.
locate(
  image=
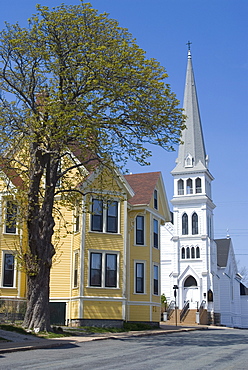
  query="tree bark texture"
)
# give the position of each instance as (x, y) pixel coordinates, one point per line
(40, 225)
(37, 314)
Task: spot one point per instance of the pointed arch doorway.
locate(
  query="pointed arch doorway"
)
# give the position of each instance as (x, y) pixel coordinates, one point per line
(191, 292)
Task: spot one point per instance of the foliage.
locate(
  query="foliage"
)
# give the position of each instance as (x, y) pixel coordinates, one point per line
(137, 326)
(243, 271)
(127, 326)
(163, 302)
(72, 97)
(95, 329)
(52, 334)
(88, 80)
(87, 330)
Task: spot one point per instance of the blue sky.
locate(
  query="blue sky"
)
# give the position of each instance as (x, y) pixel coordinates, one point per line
(218, 30)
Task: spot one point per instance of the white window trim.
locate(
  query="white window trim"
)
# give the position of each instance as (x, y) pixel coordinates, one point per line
(157, 209)
(76, 214)
(191, 223)
(189, 190)
(134, 283)
(74, 260)
(154, 218)
(180, 191)
(200, 192)
(104, 216)
(190, 248)
(4, 252)
(188, 224)
(189, 159)
(4, 217)
(156, 264)
(104, 252)
(135, 230)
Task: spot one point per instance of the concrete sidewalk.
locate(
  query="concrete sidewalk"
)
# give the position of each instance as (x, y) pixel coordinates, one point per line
(19, 342)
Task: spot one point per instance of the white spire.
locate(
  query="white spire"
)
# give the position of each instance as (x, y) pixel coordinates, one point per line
(192, 152)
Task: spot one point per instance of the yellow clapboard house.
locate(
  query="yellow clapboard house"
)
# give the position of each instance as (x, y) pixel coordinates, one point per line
(107, 265)
(12, 279)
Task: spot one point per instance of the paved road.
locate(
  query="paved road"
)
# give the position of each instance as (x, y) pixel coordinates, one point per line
(218, 349)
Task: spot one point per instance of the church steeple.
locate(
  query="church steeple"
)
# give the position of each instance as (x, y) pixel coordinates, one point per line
(191, 154)
(193, 250)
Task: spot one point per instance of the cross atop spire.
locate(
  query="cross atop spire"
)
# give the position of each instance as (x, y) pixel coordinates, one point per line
(189, 43)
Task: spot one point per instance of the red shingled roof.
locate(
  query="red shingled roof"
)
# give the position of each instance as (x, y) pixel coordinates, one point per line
(143, 185)
(11, 174)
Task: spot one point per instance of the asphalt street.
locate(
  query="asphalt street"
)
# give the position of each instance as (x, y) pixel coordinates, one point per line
(209, 349)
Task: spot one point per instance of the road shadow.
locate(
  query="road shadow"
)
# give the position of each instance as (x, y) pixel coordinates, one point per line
(204, 338)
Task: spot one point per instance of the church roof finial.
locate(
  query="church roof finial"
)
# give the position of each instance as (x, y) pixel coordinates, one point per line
(189, 53)
(227, 234)
(189, 43)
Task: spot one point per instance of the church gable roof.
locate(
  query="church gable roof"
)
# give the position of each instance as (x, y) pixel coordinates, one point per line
(223, 248)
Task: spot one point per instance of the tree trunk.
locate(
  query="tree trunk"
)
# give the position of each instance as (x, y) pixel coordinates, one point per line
(40, 227)
(37, 314)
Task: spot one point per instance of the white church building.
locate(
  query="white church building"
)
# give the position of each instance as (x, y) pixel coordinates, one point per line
(198, 273)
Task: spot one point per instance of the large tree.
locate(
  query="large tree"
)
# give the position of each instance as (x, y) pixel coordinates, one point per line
(73, 77)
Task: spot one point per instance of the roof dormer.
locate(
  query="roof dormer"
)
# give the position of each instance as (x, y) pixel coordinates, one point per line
(189, 161)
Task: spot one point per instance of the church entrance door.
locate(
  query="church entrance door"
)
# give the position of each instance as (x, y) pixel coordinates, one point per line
(191, 295)
(191, 292)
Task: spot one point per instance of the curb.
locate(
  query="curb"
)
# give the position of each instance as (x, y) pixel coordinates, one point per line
(147, 333)
(20, 346)
(8, 347)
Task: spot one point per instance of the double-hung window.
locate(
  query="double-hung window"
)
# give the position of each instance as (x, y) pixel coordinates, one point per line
(96, 269)
(139, 277)
(110, 270)
(76, 265)
(97, 215)
(112, 217)
(140, 240)
(103, 269)
(155, 279)
(155, 233)
(10, 219)
(155, 199)
(8, 270)
(104, 217)
(77, 219)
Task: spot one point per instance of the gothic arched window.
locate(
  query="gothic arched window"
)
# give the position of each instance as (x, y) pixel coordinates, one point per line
(187, 252)
(180, 187)
(198, 188)
(183, 253)
(185, 229)
(194, 224)
(192, 252)
(189, 186)
(197, 252)
(189, 161)
(190, 281)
